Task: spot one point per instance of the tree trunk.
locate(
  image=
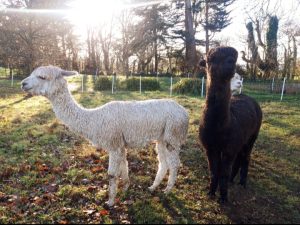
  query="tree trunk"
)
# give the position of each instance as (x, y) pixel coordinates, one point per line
(190, 38)
(206, 28)
(155, 54)
(106, 61)
(93, 57)
(294, 57)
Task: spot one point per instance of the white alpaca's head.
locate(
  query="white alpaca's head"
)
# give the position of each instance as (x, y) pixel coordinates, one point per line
(236, 83)
(46, 80)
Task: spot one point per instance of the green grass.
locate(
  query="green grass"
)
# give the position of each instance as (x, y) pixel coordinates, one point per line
(48, 174)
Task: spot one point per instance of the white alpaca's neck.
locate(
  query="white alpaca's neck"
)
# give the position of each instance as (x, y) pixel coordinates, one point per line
(70, 113)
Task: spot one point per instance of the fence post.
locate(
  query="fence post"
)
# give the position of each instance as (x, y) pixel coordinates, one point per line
(202, 88)
(171, 86)
(283, 86)
(140, 84)
(12, 78)
(82, 77)
(241, 86)
(112, 84)
(273, 82)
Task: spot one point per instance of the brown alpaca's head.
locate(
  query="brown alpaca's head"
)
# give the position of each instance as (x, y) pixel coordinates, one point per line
(221, 63)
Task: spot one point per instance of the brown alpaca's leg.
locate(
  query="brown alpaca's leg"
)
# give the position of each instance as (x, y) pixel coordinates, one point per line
(226, 164)
(214, 160)
(235, 168)
(244, 171)
(245, 160)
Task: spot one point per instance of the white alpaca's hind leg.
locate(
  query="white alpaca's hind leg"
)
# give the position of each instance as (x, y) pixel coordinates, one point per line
(124, 174)
(162, 166)
(115, 159)
(173, 162)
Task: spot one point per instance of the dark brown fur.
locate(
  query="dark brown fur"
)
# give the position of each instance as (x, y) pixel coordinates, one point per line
(229, 125)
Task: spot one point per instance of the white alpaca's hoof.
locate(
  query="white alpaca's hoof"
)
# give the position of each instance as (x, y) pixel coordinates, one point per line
(151, 189)
(126, 186)
(109, 203)
(167, 190)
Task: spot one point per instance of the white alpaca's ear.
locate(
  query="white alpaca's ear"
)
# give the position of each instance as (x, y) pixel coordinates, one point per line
(66, 73)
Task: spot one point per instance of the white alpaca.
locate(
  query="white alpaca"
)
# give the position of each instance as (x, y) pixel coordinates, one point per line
(117, 125)
(236, 84)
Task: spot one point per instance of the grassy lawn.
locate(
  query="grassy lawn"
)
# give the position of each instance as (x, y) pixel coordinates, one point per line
(48, 174)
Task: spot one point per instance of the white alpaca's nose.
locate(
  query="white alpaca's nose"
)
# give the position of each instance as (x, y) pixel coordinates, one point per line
(24, 85)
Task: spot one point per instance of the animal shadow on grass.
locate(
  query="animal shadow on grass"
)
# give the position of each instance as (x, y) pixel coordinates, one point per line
(151, 207)
(16, 102)
(158, 208)
(271, 190)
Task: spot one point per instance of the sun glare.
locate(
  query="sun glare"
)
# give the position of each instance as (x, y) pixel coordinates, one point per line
(94, 12)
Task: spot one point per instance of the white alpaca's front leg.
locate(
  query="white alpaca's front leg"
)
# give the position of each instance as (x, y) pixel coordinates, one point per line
(115, 159)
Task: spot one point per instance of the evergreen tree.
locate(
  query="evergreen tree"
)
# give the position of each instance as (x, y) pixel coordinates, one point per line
(30, 39)
(269, 64)
(215, 17)
(151, 33)
(271, 44)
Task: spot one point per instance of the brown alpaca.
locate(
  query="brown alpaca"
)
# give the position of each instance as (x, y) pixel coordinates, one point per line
(229, 125)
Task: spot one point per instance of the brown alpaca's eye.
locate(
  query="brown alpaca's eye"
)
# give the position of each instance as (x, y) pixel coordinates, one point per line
(230, 61)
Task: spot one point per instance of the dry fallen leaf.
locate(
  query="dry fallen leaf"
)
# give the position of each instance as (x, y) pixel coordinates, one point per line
(42, 167)
(38, 201)
(97, 169)
(63, 222)
(2, 197)
(51, 188)
(92, 188)
(57, 170)
(89, 211)
(104, 212)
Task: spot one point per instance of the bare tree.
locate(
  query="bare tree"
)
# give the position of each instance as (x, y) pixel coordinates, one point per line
(29, 39)
(292, 32)
(264, 50)
(106, 37)
(124, 47)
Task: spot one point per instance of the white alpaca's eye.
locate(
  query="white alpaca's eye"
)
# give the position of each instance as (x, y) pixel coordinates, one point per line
(42, 78)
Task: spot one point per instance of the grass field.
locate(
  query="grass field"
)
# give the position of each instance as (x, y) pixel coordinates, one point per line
(48, 174)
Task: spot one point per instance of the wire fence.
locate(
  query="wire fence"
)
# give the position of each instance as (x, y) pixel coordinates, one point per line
(272, 89)
(269, 90)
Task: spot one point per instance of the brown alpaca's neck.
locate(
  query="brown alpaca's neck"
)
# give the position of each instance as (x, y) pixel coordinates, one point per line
(218, 96)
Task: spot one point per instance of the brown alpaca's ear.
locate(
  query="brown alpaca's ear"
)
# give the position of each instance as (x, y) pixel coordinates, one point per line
(68, 73)
(202, 63)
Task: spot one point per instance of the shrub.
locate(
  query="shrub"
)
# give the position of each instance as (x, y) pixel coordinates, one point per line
(133, 84)
(188, 86)
(102, 84)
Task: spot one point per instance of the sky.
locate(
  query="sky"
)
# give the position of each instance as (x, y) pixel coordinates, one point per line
(86, 11)
(242, 9)
(90, 12)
